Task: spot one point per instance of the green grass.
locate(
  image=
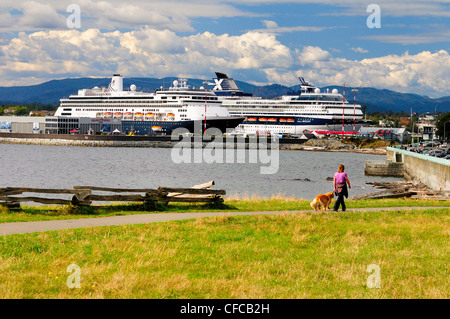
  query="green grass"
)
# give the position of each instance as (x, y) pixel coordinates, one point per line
(274, 203)
(297, 255)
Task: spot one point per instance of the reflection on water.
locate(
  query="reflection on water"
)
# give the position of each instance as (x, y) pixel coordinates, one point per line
(302, 174)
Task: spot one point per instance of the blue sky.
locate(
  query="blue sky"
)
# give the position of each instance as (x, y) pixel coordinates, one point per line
(261, 42)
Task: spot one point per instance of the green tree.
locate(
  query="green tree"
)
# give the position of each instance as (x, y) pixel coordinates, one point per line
(21, 111)
(442, 123)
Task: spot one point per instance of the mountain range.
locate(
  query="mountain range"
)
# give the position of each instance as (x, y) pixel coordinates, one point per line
(376, 100)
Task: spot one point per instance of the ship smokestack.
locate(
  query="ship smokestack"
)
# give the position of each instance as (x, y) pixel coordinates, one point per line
(116, 84)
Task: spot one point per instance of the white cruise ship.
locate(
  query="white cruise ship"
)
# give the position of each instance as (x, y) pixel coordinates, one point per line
(309, 109)
(148, 113)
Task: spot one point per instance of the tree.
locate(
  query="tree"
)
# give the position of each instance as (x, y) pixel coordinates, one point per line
(21, 111)
(443, 122)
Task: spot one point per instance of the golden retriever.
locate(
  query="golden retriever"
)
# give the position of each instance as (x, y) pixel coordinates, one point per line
(322, 200)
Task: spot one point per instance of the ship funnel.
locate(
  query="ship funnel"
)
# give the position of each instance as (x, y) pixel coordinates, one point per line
(116, 84)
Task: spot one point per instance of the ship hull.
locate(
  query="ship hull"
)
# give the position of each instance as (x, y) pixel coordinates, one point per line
(223, 124)
(298, 126)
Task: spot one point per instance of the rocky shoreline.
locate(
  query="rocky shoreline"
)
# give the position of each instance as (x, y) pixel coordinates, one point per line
(310, 145)
(332, 146)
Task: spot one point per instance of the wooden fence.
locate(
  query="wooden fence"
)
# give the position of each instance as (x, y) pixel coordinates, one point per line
(85, 195)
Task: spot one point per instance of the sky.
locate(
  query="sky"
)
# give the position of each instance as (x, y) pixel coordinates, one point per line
(402, 46)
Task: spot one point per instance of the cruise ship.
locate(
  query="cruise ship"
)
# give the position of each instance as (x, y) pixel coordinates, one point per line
(159, 112)
(309, 109)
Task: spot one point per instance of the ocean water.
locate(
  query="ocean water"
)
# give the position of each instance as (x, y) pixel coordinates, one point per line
(300, 174)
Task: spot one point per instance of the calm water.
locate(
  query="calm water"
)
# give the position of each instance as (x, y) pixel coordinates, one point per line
(301, 173)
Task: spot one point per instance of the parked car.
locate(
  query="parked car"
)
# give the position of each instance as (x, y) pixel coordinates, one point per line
(432, 144)
(433, 153)
(447, 157)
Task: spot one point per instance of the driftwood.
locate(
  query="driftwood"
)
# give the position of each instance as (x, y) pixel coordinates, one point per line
(413, 189)
(83, 195)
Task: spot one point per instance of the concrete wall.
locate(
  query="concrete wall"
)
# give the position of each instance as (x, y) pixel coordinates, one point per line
(384, 168)
(433, 172)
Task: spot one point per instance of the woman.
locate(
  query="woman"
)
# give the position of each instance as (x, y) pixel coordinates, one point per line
(340, 182)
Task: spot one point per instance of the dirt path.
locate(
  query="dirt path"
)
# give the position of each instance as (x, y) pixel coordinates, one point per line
(40, 226)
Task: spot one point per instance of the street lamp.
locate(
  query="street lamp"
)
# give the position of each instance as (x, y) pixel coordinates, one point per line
(444, 131)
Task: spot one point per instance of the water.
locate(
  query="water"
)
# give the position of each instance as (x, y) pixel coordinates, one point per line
(301, 174)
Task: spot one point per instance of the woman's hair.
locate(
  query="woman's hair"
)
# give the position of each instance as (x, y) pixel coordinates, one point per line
(341, 168)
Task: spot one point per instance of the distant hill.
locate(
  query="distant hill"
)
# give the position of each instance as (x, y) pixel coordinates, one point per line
(376, 100)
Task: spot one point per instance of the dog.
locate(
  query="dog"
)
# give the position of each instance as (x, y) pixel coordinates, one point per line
(322, 200)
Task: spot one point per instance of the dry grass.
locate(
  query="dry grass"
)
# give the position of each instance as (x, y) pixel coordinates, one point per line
(261, 256)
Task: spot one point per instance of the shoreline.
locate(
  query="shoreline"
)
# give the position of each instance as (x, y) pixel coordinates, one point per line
(315, 145)
(167, 143)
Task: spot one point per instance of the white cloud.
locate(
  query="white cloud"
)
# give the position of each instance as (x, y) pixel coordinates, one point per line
(145, 52)
(408, 39)
(312, 55)
(273, 27)
(174, 15)
(149, 52)
(424, 73)
(410, 8)
(359, 50)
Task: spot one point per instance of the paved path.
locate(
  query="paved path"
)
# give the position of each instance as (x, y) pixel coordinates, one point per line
(40, 226)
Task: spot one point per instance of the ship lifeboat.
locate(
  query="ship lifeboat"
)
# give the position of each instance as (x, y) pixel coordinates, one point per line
(251, 119)
(291, 120)
(283, 120)
(262, 119)
(128, 115)
(157, 128)
(108, 115)
(272, 119)
(149, 116)
(171, 116)
(118, 115)
(99, 114)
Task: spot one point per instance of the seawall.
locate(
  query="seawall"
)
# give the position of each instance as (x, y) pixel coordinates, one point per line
(167, 142)
(433, 172)
(139, 141)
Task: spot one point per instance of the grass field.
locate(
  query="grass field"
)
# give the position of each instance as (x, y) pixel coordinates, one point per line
(298, 255)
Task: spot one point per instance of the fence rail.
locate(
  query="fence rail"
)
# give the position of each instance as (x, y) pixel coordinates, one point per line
(86, 195)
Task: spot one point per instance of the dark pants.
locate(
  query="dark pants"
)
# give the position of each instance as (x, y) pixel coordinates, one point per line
(339, 201)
